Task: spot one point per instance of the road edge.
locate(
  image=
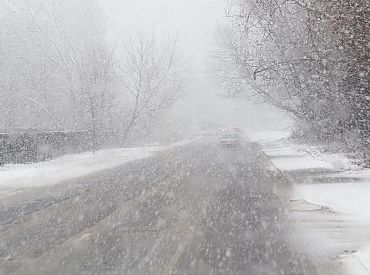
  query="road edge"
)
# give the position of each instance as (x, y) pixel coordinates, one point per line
(291, 198)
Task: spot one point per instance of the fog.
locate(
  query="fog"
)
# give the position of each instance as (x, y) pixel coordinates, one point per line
(194, 23)
(184, 137)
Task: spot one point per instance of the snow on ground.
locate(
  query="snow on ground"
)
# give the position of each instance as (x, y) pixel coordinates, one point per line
(67, 167)
(300, 163)
(290, 156)
(266, 136)
(357, 263)
(364, 255)
(16, 177)
(345, 188)
(277, 144)
(360, 173)
(348, 198)
(353, 266)
(350, 195)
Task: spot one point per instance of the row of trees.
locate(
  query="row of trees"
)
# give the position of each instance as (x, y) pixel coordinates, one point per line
(59, 71)
(309, 58)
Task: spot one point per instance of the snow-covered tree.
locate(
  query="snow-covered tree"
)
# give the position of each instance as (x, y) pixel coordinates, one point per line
(309, 58)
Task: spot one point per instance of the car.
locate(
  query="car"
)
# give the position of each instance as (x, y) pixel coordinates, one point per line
(230, 140)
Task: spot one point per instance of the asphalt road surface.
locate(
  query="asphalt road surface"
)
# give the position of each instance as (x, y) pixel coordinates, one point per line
(195, 209)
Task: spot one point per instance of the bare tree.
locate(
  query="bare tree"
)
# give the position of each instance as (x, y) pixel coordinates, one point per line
(305, 57)
(25, 68)
(149, 75)
(58, 71)
(95, 71)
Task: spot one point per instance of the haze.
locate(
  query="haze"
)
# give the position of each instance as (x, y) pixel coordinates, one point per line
(194, 23)
(184, 137)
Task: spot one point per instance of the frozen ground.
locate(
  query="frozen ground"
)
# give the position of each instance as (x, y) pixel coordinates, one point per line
(16, 177)
(330, 180)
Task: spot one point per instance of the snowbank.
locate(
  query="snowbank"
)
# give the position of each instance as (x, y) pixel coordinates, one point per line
(349, 198)
(68, 166)
(353, 266)
(287, 155)
(357, 263)
(266, 136)
(364, 255)
(300, 163)
(351, 195)
(15, 177)
(345, 187)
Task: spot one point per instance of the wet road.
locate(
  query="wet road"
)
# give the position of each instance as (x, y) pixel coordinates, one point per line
(195, 209)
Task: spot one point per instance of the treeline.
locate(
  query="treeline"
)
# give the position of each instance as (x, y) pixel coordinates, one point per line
(59, 71)
(35, 146)
(309, 58)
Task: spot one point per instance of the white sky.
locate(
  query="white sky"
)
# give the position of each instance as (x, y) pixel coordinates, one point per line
(194, 22)
(190, 19)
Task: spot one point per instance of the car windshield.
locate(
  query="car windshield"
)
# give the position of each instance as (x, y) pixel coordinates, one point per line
(185, 137)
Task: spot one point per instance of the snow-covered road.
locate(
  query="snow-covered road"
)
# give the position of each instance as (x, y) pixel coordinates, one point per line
(194, 209)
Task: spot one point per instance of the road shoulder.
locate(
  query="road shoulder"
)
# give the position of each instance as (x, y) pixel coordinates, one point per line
(333, 239)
